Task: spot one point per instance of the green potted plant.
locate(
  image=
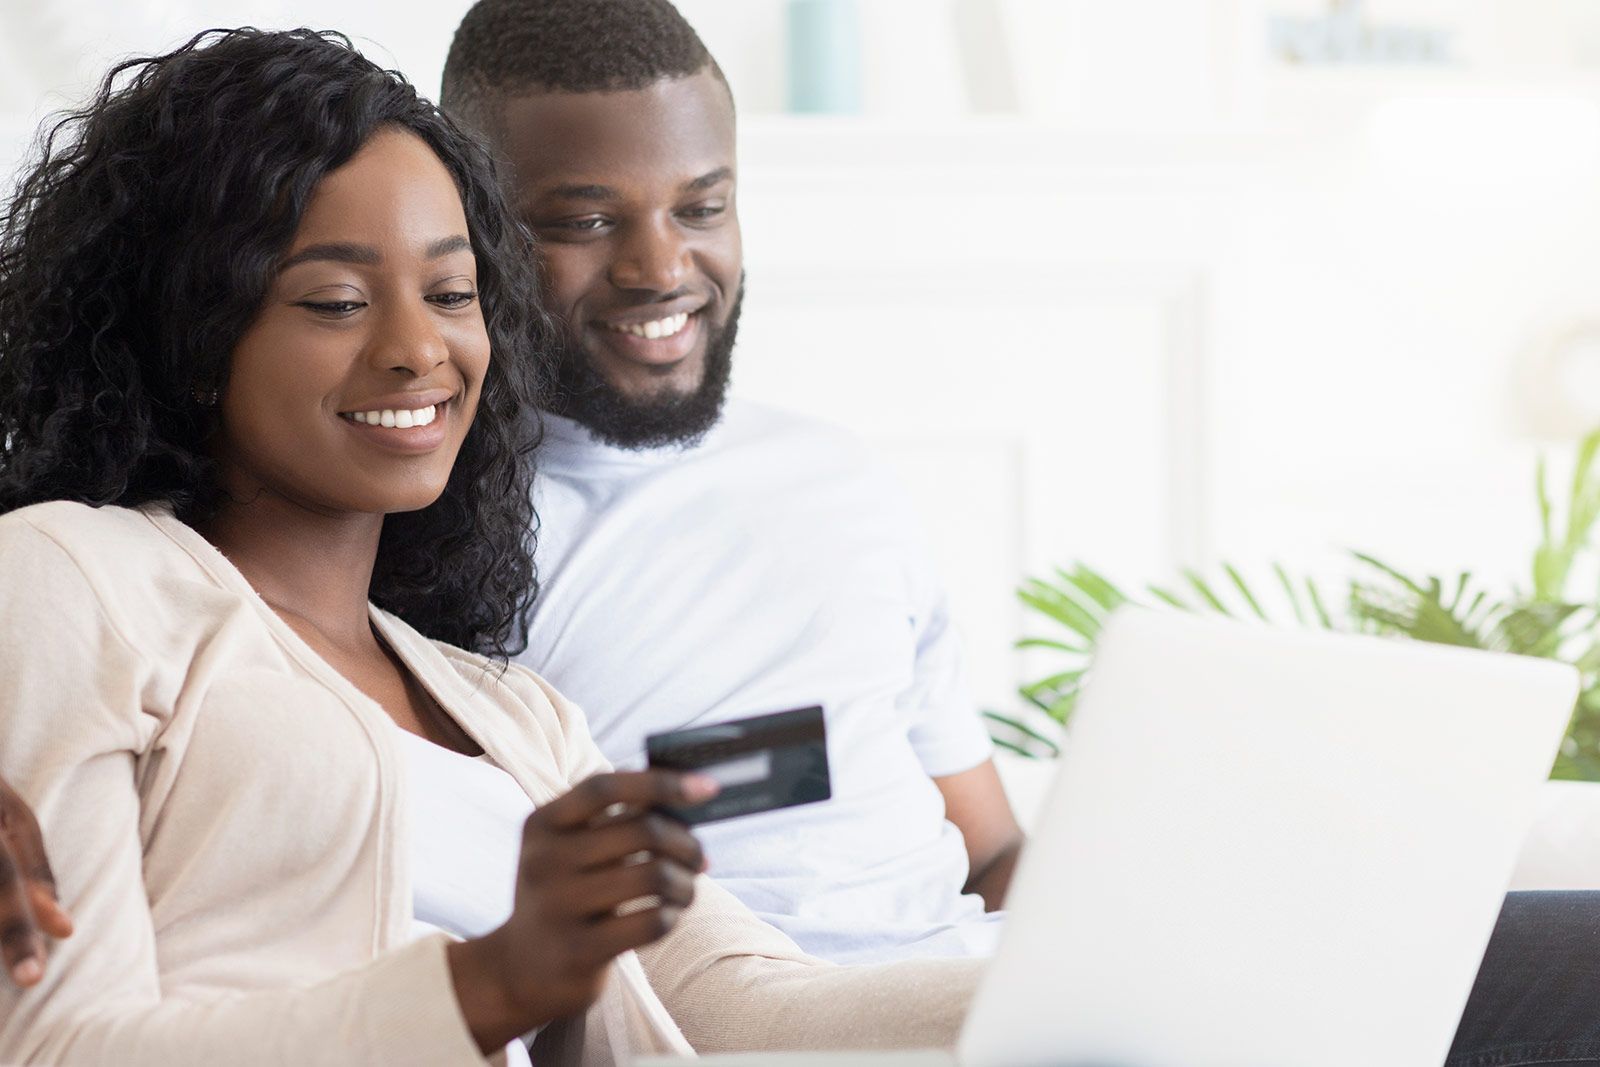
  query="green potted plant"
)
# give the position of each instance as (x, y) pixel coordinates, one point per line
(1549, 618)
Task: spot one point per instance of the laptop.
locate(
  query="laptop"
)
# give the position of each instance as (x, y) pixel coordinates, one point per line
(1263, 848)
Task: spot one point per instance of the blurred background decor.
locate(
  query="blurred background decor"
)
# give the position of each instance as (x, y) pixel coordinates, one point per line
(824, 57)
(1183, 295)
(1344, 34)
(1554, 613)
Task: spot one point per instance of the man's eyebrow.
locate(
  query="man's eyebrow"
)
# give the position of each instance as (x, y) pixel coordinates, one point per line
(607, 193)
(706, 181)
(583, 192)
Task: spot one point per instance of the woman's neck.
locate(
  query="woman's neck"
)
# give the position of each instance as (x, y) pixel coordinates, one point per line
(311, 566)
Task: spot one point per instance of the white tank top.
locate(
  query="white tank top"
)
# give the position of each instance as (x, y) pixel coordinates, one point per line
(466, 835)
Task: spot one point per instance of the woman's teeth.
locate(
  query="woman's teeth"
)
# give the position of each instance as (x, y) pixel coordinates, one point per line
(659, 328)
(405, 418)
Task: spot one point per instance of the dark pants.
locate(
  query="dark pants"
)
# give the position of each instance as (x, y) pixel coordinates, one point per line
(1537, 996)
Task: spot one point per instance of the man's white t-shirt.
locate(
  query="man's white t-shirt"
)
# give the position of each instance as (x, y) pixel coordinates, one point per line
(773, 566)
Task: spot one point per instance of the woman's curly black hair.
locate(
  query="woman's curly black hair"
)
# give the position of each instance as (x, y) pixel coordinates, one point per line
(140, 246)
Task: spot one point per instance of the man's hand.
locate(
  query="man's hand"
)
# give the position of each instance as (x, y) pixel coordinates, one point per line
(601, 873)
(29, 911)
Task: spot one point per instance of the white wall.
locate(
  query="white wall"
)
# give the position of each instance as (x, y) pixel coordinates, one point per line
(1190, 302)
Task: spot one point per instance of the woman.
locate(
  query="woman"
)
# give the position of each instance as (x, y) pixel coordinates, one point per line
(264, 472)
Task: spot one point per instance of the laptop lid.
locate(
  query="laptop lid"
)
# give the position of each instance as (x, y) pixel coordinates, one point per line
(1268, 848)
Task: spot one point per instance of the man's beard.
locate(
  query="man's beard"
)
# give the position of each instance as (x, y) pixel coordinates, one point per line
(584, 395)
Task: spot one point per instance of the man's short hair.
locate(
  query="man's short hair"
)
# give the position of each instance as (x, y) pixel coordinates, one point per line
(506, 48)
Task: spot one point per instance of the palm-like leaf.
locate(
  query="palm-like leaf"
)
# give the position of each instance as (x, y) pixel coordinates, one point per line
(1548, 622)
(1079, 599)
(1425, 609)
(1553, 560)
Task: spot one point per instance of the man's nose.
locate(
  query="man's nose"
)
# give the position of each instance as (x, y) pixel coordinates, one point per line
(408, 340)
(653, 257)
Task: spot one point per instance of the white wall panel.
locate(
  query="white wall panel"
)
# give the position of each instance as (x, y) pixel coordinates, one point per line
(1040, 331)
(1030, 421)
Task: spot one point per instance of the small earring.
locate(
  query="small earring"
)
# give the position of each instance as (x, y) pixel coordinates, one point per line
(207, 398)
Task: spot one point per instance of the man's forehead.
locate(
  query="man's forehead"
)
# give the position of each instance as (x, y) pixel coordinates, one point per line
(675, 129)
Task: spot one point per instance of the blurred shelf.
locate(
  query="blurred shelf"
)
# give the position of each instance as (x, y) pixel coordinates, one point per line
(817, 145)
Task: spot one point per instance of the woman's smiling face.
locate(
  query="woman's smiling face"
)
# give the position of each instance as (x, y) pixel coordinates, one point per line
(354, 387)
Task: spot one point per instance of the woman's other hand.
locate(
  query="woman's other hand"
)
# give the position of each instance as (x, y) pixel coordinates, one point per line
(29, 911)
(601, 872)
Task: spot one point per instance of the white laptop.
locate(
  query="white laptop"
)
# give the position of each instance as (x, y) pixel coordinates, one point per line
(1263, 848)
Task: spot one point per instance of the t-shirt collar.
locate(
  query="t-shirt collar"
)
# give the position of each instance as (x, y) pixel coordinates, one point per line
(567, 441)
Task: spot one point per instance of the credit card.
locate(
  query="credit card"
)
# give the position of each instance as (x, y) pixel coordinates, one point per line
(763, 763)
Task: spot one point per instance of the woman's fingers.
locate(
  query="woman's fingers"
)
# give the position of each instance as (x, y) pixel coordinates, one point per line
(27, 846)
(21, 943)
(610, 937)
(602, 872)
(28, 905)
(600, 894)
(52, 917)
(591, 799)
(650, 833)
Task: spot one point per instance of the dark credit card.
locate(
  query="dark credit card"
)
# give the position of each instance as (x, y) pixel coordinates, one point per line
(763, 763)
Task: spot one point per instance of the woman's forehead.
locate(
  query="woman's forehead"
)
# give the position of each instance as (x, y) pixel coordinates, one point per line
(393, 191)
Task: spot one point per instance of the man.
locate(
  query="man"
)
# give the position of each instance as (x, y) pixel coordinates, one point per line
(704, 561)
(701, 563)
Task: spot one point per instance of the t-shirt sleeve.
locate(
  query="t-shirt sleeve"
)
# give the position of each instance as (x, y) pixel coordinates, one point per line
(76, 736)
(947, 732)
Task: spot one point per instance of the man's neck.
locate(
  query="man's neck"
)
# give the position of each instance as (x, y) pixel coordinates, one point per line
(566, 436)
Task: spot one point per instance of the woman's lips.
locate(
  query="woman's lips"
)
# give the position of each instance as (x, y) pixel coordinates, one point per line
(426, 432)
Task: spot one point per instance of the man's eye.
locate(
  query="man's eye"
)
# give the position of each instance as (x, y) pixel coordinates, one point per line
(453, 300)
(333, 309)
(587, 224)
(703, 211)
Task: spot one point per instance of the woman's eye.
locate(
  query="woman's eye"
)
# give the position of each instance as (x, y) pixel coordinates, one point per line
(453, 300)
(334, 309)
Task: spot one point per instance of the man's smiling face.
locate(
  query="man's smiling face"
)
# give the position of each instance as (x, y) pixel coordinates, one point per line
(631, 194)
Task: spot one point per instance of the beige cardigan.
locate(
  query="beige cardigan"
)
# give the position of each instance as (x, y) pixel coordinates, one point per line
(226, 816)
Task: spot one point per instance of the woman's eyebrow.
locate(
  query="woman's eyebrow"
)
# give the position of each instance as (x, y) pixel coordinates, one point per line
(444, 246)
(362, 255)
(366, 255)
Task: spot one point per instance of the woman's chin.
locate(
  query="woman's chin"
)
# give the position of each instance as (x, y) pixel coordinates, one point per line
(381, 499)
(415, 500)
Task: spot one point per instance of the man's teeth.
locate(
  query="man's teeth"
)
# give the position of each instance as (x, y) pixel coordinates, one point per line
(405, 418)
(658, 329)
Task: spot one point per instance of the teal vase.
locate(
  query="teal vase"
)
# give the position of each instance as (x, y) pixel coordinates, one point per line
(824, 57)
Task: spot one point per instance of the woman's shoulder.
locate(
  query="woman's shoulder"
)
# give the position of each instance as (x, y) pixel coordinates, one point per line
(106, 544)
(111, 561)
(72, 524)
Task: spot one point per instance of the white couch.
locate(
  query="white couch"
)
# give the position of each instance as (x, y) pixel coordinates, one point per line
(1562, 850)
